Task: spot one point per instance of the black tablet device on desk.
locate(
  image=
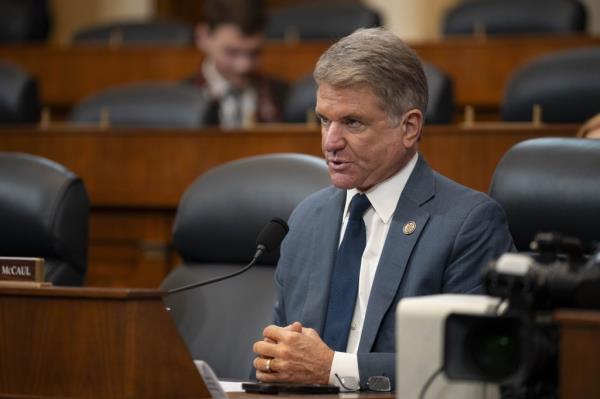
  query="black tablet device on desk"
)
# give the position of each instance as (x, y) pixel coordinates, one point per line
(277, 387)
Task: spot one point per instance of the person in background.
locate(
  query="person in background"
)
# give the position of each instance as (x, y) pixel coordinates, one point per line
(231, 38)
(591, 128)
(390, 227)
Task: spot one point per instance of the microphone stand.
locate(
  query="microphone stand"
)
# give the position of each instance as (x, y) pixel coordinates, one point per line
(259, 251)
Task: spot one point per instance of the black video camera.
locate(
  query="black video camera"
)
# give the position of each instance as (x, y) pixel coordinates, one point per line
(517, 347)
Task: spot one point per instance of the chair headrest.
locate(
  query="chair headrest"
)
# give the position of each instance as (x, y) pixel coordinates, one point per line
(24, 20)
(157, 32)
(440, 95)
(19, 98)
(550, 185)
(44, 209)
(564, 84)
(325, 20)
(150, 104)
(300, 99)
(223, 211)
(515, 17)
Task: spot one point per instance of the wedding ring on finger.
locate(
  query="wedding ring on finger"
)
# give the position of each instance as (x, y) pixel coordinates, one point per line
(268, 366)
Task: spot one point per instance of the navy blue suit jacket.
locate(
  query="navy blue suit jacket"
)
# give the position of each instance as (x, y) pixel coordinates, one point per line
(458, 230)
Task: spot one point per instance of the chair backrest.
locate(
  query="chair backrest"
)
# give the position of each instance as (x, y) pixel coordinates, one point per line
(565, 84)
(19, 96)
(148, 105)
(550, 185)
(301, 98)
(497, 17)
(44, 209)
(440, 93)
(215, 229)
(321, 20)
(24, 20)
(158, 32)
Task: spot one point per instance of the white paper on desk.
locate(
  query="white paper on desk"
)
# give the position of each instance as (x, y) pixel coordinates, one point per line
(211, 380)
(231, 386)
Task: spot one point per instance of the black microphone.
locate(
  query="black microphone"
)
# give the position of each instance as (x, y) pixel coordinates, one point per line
(268, 239)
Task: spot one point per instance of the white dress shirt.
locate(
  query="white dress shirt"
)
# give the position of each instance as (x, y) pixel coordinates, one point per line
(384, 199)
(236, 107)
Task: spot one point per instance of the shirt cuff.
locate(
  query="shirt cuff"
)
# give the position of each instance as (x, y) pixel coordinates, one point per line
(345, 365)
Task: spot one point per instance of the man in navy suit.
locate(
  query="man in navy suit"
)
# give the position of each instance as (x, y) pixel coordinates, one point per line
(389, 228)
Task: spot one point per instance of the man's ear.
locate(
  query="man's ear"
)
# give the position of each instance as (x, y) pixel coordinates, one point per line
(202, 37)
(412, 123)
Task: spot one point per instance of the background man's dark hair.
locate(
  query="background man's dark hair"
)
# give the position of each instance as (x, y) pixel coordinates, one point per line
(248, 15)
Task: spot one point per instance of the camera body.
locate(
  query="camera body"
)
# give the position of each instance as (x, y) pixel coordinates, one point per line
(420, 323)
(517, 347)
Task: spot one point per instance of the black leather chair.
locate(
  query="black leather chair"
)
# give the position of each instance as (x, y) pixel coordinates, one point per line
(147, 105)
(498, 17)
(158, 32)
(215, 231)
(322, 20)
(24, 20)
(44, 210)
(566, 85)
(550, 185)
(19, 95)
(440, 93)
(300, 100)
(440, 108)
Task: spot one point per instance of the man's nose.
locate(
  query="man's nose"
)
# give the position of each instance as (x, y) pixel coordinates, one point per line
(333, 139)
(244, 64)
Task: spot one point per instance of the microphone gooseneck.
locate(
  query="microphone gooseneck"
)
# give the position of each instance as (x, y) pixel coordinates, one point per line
(268, 239)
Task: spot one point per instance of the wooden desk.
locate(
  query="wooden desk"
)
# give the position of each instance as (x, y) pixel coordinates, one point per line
(135, 177)
(352, 395)
(69, 74)
(95, 343)
(579, 348)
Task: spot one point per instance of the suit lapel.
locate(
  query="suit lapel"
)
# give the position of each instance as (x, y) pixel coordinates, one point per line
(326, 238)
(397, 249)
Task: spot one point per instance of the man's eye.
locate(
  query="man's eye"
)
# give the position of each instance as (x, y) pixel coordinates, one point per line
(353, 123)
(323, 120)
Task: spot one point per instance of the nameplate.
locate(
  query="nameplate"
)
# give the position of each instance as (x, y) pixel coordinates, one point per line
(22, 269)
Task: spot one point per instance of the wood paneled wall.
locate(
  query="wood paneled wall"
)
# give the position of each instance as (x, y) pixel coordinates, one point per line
(135, 177)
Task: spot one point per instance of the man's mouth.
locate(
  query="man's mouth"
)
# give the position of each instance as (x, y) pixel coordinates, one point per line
(336, 164)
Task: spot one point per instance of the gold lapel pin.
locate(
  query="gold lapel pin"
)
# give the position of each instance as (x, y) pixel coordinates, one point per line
(409, 227)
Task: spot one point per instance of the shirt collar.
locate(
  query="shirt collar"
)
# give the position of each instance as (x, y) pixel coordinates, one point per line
(384, 196)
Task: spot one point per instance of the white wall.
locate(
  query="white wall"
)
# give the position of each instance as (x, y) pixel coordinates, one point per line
(413, 20)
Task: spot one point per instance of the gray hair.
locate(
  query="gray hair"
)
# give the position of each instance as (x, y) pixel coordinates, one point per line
(381, 60)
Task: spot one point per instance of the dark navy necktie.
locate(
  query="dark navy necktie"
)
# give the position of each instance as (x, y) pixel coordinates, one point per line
(345, 276)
